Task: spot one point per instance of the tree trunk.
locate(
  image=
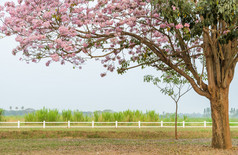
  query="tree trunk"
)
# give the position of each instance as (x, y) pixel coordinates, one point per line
(221, 137)
(176, 120)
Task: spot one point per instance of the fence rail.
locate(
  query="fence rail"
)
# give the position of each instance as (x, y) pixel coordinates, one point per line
(115, 124)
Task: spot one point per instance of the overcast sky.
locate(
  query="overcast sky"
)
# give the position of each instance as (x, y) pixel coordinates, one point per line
(62, 87)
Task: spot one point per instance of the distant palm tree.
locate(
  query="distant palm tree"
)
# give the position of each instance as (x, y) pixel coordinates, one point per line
(16, 108)
(10, 107)
(22, 107)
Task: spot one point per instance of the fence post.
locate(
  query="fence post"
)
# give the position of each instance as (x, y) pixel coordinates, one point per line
(161, 124)
(139, 124)
(68, 124)
(92, 124)
(43, 124)
(183, 124)
(116, 124)
(18, 124)
(205, 124)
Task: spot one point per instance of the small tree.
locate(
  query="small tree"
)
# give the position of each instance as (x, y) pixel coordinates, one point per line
(16, 108)
(174, 88)
(22, 108)
(10, 107)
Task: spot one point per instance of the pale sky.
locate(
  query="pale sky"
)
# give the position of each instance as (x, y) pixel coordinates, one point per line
(62, 87)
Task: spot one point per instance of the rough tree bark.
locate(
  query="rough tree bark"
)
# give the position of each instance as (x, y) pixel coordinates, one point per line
(221, 137)
(220, 65)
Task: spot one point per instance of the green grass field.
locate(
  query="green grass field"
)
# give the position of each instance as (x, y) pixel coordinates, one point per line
(110, 141)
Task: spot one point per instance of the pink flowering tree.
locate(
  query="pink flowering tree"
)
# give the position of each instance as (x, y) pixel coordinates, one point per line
(194, 39)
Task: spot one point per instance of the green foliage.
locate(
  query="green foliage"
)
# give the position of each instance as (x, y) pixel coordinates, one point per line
(53, 115)
(1, 114)
(185, 118)
(86, 118)
(67, 115)
(152, 116)
(30, 117)
(96, 116)
(218, 10)
(42, 115)
(118, 116)
(215, 11)
(128, 115)
(107, 116)
(78, 116)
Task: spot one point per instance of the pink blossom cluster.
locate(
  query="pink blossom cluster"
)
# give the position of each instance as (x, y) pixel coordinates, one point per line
(55, 57)
(179, 26)
(75, 30)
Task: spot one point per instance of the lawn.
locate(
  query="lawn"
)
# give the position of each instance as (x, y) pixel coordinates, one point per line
(110, 141)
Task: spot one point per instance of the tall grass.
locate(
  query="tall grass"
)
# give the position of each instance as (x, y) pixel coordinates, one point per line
(67, 115)
(43, 115)
(53, 115)
(124, 116)
(1, 115)
(77, 116)
(96, 116)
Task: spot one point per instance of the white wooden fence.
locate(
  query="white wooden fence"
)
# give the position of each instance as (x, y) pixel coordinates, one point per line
(115, 124)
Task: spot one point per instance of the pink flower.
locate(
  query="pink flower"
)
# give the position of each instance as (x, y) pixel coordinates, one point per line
(156, 15)
(2, 14)
(179, 26)
(227, 31)
(186, 25)
(174, 8)
(85, 45)
(55, 57)
(63, 30)
(46, 24)
(162, 26)
(47, 15)
(171, 24)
